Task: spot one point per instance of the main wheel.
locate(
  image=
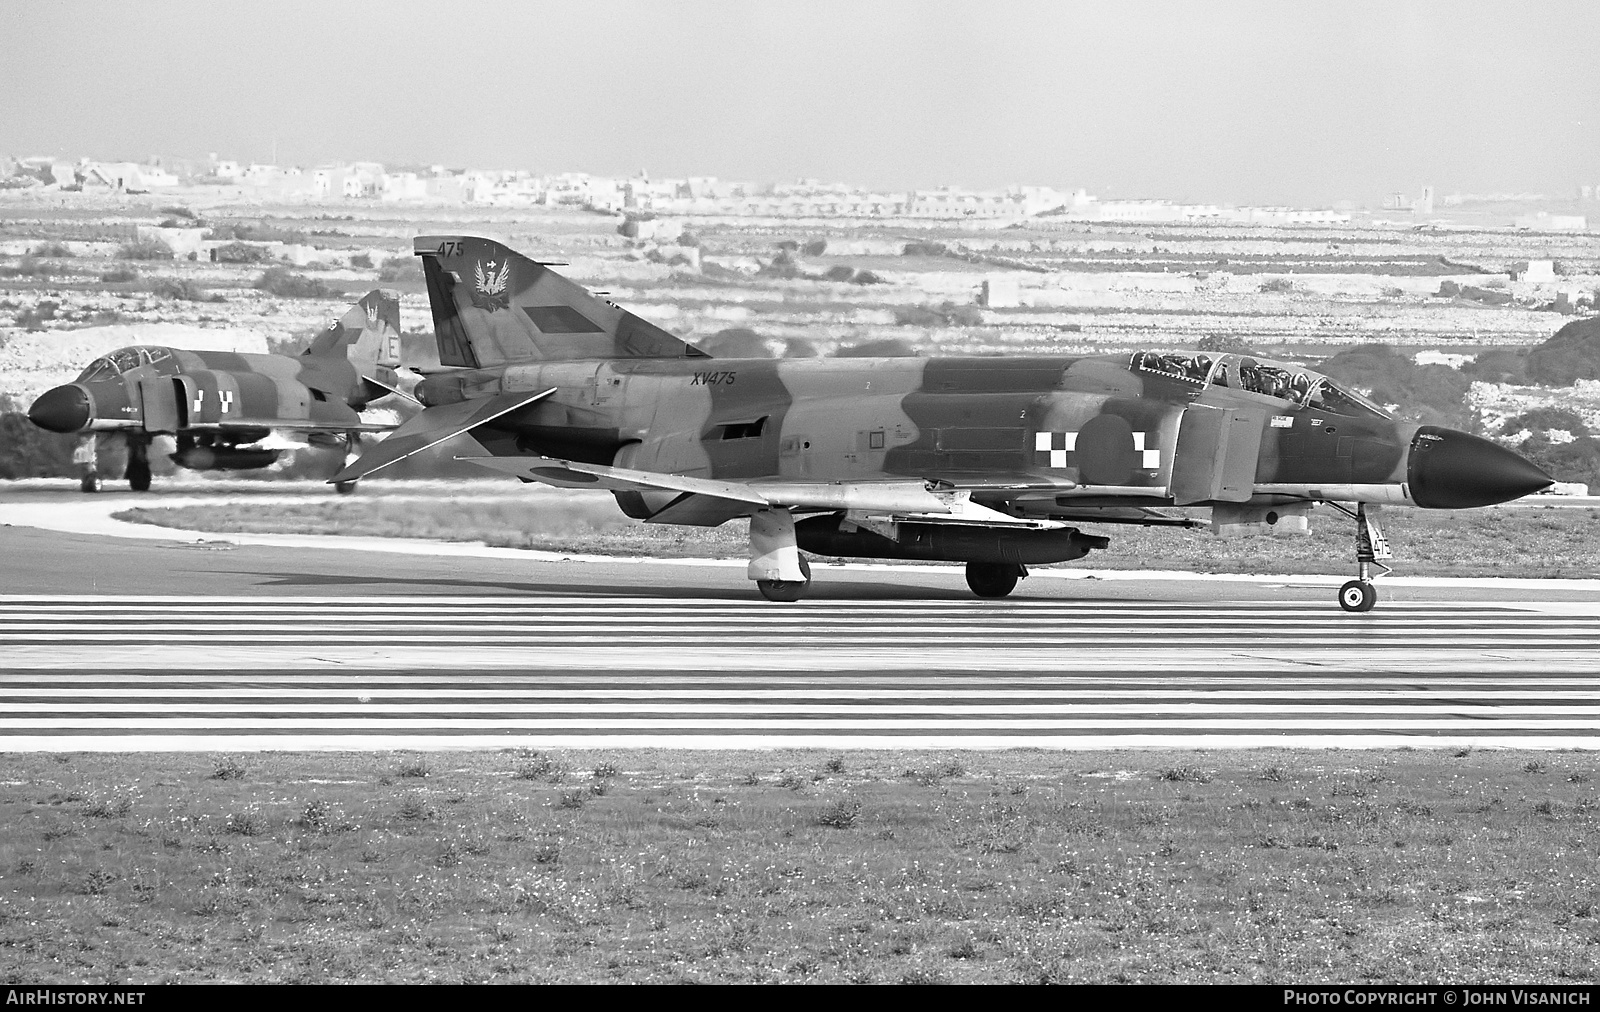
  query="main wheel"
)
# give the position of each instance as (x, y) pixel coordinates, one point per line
(786, 591)
(344, 487)
(1358, 595)
(992, 579)
(139, 475)
(90, 483)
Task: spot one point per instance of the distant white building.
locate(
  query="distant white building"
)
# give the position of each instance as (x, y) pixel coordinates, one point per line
(1544, 221)
(261, 175)
(127, 176)
(1536, 272)
(402, 186)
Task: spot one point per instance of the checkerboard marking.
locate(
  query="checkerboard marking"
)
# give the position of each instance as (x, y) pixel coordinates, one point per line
(1051, 449)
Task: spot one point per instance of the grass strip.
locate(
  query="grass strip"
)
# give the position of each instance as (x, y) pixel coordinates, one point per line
(1025, 866)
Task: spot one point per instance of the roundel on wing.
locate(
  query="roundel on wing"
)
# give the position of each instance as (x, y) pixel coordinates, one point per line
(1105, 451)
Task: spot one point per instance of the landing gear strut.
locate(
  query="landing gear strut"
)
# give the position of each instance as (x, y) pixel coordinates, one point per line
(138, 471)
(780, 571)
(352, 451)
(85, 454)
(1372, 549)
(994, 579)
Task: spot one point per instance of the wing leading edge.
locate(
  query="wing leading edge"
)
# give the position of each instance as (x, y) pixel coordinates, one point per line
(727, 499)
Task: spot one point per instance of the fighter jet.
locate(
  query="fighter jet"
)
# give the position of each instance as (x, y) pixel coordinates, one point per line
(985, 461)
(219, 405)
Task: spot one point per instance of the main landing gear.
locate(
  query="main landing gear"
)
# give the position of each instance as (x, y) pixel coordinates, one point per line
(785, 591)
(780, 571)
(138, 470)
(994, 579)
(1372, 549)
(352, 451)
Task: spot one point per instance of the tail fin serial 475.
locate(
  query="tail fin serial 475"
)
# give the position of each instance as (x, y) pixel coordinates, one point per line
(493, 306)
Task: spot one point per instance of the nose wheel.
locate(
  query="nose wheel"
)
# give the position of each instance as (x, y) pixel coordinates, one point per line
(1372, 550)
(86, 455)
(1358, 595)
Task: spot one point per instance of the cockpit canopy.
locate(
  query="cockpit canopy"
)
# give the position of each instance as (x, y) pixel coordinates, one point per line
(1298, 385)
(123, 360)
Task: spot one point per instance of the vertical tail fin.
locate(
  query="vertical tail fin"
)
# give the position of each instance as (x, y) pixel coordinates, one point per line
(368, 336)
(492, 305)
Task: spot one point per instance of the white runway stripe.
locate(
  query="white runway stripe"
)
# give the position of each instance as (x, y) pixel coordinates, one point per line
(443, 671)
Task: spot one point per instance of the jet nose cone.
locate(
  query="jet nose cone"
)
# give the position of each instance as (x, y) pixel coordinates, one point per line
(64, 409)
(1451, 470)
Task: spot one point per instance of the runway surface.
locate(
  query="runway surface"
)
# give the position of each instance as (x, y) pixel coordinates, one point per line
(167, 641)
(305, 672)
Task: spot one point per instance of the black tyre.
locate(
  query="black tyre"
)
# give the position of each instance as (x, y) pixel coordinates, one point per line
(1358, 595)
(344, 487)
(90, 483)
(139, 475)
(992, 579)
(786, 591)
(781, 590)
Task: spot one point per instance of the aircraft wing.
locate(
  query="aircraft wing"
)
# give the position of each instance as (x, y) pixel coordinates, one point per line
(567, 474)
(432, 427)
(715, 500)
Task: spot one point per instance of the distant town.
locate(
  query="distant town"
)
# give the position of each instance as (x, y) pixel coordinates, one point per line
(707, 196)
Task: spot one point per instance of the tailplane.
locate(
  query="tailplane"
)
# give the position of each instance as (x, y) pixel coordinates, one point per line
(492, 306)
(368, 336)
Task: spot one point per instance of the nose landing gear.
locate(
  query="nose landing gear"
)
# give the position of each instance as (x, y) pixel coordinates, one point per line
(86, 455)
(1372, 549)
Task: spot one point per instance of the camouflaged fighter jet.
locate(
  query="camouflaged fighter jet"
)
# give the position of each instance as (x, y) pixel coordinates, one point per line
(218, 404)
(986, 461)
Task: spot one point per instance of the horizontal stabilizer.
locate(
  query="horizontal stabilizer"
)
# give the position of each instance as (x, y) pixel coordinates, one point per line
(386, 388)
(433, 426)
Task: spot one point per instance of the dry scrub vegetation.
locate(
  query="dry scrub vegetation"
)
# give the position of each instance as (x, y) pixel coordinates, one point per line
(1523, 542)
(778, 866)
